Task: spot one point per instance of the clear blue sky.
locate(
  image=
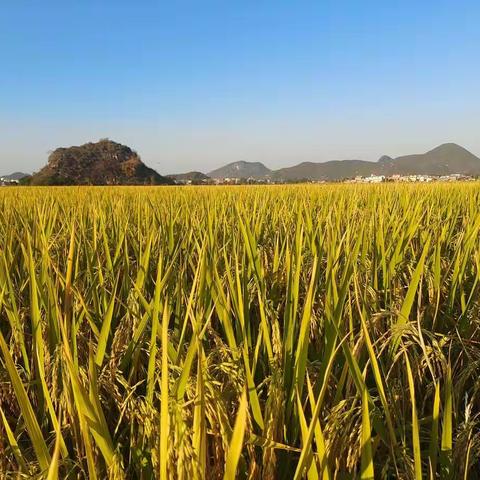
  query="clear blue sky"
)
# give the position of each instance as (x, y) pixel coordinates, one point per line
(194, 85)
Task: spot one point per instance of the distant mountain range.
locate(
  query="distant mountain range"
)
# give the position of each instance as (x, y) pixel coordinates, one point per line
(110, 163)
(446, 159)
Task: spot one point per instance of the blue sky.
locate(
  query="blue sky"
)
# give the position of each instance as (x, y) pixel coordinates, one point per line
(197, 84)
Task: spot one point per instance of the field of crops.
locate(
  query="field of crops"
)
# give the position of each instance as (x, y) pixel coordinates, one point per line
(320, 332)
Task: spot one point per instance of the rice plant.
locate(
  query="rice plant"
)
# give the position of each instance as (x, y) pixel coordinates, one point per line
(320, 332)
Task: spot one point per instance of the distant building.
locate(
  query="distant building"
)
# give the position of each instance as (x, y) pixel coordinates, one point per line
(5, 182)
(411, 178)
(375, 179)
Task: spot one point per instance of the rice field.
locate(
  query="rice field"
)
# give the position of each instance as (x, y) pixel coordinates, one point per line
(320, 332)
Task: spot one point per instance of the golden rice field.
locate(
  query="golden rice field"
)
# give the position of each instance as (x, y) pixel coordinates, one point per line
(319, 332)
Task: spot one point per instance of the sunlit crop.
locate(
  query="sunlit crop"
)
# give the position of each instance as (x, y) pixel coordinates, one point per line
(320, 332)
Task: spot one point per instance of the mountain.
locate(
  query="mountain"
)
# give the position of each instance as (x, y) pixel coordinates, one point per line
(443, 160)
(189, 177)
(385, 159)
(332, 170)
(15, 177)
(102, 163)
(241, 170)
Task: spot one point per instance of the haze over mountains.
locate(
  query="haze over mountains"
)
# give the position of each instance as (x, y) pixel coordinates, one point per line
(110, 163)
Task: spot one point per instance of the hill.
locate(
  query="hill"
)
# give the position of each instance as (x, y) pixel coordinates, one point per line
(443, 160)
(332, 170)
(189, 177)
(102, 163)
(14, 177)
(241, 169)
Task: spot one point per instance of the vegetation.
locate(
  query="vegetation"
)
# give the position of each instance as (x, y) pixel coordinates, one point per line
(320, 332)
